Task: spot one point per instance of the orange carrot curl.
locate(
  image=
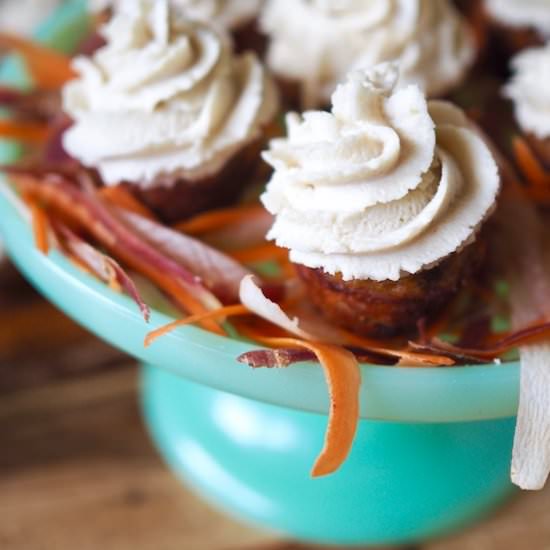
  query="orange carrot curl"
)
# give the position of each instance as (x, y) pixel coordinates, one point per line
(118, 196)
(27, 132)
(530, 166)
(49, 68)
(222, 312)
(40, 225)
(216, 219)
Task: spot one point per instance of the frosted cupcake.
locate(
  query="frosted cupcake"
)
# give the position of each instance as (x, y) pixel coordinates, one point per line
(167, 109)
(315, 43)
(380, 202)
(529, 90)
(236, 16)
(519, 24)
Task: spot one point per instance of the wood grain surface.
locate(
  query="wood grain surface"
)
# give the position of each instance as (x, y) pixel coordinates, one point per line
(78, 471)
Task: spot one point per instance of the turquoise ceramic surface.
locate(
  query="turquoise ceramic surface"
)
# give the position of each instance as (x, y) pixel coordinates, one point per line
(433, 448)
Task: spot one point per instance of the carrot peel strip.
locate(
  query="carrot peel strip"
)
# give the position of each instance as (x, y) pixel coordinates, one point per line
(343, 378)
(222, 312)
(40, 226)
(23, 131)
(534, 333)
(88, 213)
(261, 253)
(49, 68)
(529, 164)
(217, 219)
(118, 196)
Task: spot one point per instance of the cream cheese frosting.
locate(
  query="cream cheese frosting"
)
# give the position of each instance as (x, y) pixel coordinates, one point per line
(521, 13)
(432, 42)
(529, 89)
(386, 184)
(166, 95)
(229, 14)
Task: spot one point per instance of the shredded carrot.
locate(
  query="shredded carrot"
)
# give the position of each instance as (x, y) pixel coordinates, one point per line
(183, 298)
(23, 131)
(49, 68)
(258, 330)
(119, 196)
(40, 226)
(113, 280)
(263, 332)
(261, 253)
(222, 312)
(405, 357)
(529, 164)
(173, 287)
(343, 378)
(216, 219)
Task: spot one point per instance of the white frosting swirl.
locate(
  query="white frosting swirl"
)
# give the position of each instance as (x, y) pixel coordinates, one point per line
(521, 13)
(529, 89)
(164, 96)
(385, 184)
(317, 42)
(229, 14)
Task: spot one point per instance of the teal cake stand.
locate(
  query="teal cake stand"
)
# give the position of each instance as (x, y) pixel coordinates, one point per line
(432, 451)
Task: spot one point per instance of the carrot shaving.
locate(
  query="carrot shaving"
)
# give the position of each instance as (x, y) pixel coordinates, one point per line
(222, 312)
(261, 253)
(406, 358)
(263, 332)
(113, 283)
(260, 330)
(172, 286)
(217, 219)
(181, 296)
(40, 226)
(118, 196)
(343, 378)
(533, 333)
(529, 164)
(23, 131)
(49, 68)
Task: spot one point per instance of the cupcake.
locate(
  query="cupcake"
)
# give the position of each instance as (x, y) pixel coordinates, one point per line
(518, 24)
(239, 17)
(313, 44)
(529, 91)
(381, 202)
(168, 110)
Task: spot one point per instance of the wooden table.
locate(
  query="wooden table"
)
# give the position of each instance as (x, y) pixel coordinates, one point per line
(78, 471)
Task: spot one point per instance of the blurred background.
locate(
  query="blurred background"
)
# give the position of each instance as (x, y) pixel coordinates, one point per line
(77, 469)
